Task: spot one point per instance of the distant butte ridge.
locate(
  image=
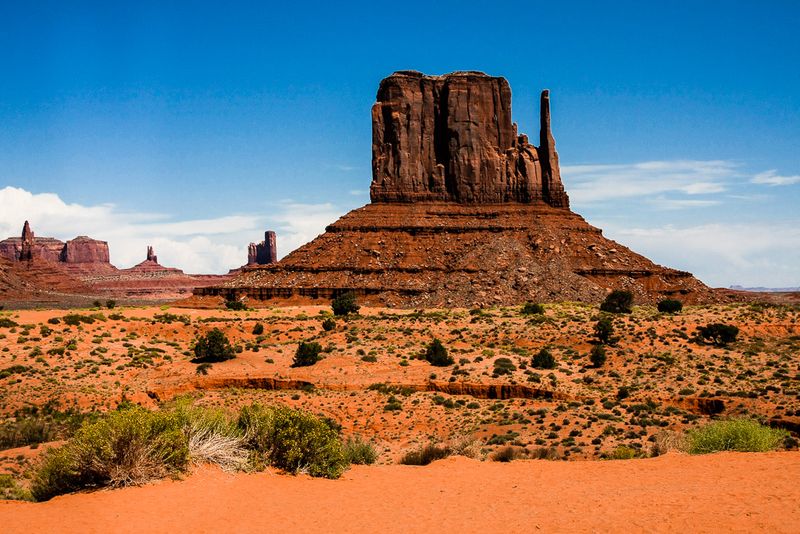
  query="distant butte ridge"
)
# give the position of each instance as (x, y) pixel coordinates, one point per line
(464, 211)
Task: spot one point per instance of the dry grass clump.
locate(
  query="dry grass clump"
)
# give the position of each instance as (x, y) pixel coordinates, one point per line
(458, 446)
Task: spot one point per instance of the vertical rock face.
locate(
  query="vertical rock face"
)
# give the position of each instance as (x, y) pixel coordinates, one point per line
(151, 255)
(28, 243)
(84, 249)
(265, 252)
(451, 138)
(552, 187)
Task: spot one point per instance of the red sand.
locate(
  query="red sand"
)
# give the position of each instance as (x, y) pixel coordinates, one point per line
(673, 493)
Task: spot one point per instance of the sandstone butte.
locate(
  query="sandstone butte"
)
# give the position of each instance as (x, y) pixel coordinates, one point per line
(464, 211)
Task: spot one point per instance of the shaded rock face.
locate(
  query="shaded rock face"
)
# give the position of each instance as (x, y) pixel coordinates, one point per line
(151, 255)
(451, 138)
(84, 249)
(265, 252)
(27, 245)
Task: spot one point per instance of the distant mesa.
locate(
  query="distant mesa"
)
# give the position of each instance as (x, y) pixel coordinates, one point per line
(81, 253)
(464, 211)
(265, 252)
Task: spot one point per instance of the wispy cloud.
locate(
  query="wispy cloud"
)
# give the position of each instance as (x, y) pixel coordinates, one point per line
(589, 184)
(771, 177)
(758, 254)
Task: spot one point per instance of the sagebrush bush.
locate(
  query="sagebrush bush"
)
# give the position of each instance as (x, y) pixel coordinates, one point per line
(426, 454)
(213, 347)
(618, 301)
(359, 452)
(670, 306)
(508, 453)
(743, 435)
(436, 354)
(345, 304)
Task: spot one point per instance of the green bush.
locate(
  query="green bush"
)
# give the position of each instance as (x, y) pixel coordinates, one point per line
(718, 334)
(436, 354)
(604, 329)
(75, 319)
(126, 447)
(504, 366)
(618, 301)
(670, 306)
(345, 304)
(622, 453)
(307, 354)
(598, 356)
(110, 304)
(328, 324)
(359, 452)
(5, 322)
(27, 431)
(532, 308)
(543, 360)
(743, 435)
(258, 329)
(235, 305)
(292, 440)
(10, 490)
(213, 347)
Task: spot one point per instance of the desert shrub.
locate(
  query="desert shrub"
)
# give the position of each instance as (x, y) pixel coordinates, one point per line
(618, 301)
(213, 347)
(718, 334)
(97, 304)
(169, 318)
(598, 356)
(126, 447)
(75, 319)
(621, 453)
(307, 354)
(359, 452)
(258, 329)
(670, 306)
(27, 431)
(426, 454)
(328, 324)
(203, 368)
(507, 454)
(110, 304)
(543, 360)
(54, 320)
(292, 440)
(12, 370)
(10, 490)
(743, 435)
(235, 305)
(213, 436)
(345, 304)
(503, 366)
(604, 329)
(666, 441)
(436, 354)
(5, 322)
(532, 308)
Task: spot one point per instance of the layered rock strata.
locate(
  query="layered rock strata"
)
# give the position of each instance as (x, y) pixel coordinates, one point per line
(465, 211)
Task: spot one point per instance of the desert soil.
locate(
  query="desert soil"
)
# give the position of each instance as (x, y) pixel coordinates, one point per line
(725, 492)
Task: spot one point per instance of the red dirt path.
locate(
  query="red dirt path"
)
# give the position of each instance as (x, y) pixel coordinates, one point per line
(727, 492)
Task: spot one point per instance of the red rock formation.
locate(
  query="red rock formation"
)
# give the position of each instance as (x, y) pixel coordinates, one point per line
(45, 248)
(151, 255)
(451, 138)
(84, 249)
(265, 252)
(27, 244)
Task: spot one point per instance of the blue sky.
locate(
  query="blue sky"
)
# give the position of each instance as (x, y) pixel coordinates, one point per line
(194, 126)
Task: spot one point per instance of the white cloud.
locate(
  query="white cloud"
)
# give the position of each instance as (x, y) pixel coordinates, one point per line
(196, 246)
(588, 184)
(721, 254)
(772, 178)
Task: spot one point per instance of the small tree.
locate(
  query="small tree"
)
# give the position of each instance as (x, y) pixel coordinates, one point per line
(345, 304)
(213, 347)
(235, 305)
(718, 334)
(598, 356)
(543, 360)
(618, 301)
(436, 354)
(603, 329)
(531, 308)
(258, 329)
(670, 306)
(328, 324)
(307, 354)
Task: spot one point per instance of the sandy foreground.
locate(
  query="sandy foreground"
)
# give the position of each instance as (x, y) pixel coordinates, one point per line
(725, 492)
